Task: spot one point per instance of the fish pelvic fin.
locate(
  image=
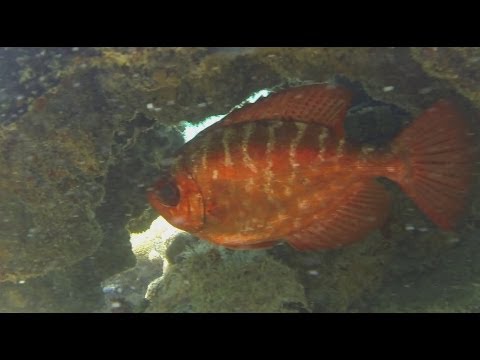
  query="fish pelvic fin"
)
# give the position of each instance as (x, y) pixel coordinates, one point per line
(438, 156)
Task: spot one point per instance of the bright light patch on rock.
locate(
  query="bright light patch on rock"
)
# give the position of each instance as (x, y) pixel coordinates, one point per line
(160, 229)
(255, 96)
(191, 130)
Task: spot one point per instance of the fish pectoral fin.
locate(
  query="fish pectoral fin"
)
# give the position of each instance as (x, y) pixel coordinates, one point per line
(347, 221)
(324, 104)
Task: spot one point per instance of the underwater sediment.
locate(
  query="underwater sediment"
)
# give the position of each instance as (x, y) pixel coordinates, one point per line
(85, 133)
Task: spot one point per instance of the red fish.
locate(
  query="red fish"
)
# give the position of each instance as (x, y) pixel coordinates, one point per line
(280, 169)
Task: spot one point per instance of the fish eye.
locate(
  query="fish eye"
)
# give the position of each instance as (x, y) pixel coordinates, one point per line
(168, 193)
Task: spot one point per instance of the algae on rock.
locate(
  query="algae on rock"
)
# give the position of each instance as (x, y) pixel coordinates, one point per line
(212, 279)
(450, 283)
(337, 280)
(458, 67)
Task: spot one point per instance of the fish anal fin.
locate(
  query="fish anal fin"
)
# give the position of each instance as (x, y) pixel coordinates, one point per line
(364, 209)
(324, 104)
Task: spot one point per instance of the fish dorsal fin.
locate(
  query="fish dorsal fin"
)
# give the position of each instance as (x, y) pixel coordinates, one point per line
(324, 104)
(350, 219)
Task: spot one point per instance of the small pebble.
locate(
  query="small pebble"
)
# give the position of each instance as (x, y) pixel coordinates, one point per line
(109, 289)
(453, 240)
(425, 90)
(388, 88)
(116, 304)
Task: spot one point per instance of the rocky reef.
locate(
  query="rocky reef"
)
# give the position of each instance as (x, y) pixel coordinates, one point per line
(211, 279)
(83, 132)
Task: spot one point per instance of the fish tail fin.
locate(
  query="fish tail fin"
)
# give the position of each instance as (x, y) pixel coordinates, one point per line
(437, 158)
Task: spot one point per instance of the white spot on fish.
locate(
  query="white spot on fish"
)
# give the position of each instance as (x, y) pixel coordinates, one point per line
(303, 204)
(341, 144)
(292, 154)
(247, 160)
(250, 185)
(367, 149)
(282, 217)
(226, 146)
(297, 223)
(321, 143)
(268, 154)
